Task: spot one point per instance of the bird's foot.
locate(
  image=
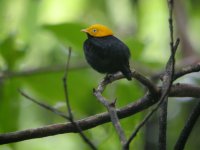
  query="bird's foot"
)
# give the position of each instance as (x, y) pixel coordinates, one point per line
(108, 77)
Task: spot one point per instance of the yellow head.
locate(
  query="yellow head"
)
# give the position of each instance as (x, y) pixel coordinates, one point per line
(98, 30)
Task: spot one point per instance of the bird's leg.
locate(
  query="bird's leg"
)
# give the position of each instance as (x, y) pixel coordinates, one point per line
(108, 77)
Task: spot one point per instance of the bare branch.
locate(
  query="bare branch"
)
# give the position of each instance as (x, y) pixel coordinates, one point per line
(110, 106)
(182, 90)
(180, 144)
(181, 72)
(71, 118)
(163, 125)
(42, 70)
(167, 82)
(142, 79)
(66, 87)
(177, 90)
(146, 82)
(45, 106)
(187, 70)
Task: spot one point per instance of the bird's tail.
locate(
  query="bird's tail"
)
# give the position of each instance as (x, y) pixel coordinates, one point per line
(127, 73)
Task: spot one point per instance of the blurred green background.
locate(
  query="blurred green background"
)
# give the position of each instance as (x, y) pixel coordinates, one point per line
(34, 38)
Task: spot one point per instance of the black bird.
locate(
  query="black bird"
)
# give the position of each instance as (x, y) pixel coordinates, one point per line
(106, 53)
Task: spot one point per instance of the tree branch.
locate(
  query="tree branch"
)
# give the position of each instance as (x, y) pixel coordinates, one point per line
(71, 117)
(177, 90)
(187, 70)
(48, 69)
(180, 144)
(142, 79)
(45, 106)
(167, 82)
(163, 125)
(110, 106)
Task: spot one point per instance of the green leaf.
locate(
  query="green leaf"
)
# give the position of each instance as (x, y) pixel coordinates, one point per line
(68, 33)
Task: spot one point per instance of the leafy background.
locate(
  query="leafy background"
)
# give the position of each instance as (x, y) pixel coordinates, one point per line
(37, 33)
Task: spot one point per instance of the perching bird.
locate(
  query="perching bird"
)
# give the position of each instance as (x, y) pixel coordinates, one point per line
(106, 53)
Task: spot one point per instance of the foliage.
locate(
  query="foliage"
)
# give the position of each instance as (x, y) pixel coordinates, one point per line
(36, 33)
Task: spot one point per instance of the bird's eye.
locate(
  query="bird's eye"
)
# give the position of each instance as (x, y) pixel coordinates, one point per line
(94, 30)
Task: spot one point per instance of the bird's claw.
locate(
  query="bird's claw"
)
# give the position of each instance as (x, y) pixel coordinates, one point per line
(108, 77)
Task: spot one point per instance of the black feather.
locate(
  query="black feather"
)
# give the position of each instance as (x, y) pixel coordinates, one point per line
(107, 55)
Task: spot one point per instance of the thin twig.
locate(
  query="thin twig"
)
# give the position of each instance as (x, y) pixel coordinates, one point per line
(181, 72)
(166, 92)
(187, 70)
(146, 82)
(110, 106)
(139, 77)
(142, 123)
(43, 105)
(66, 87)
(162, 125)
(41, 70)
(167, 80)
(71, 118)
(180, 144)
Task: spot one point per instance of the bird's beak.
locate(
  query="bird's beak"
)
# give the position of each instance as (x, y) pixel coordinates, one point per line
(84, 30)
